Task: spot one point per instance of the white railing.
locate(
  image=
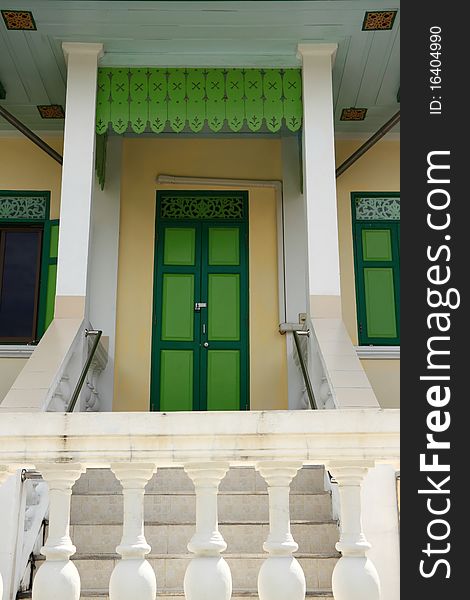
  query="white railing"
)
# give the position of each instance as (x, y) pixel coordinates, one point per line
(48, 379)
(34, 505)
(136, 445)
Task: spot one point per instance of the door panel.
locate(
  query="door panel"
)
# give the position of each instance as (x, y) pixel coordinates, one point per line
(176, 380)
(223, 307)
(380, 303)
(180, 246)
(200, 325)
(178, 307)
(223, 380)
(224, 246)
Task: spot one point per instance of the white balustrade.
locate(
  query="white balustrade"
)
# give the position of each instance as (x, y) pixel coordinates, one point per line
(281, 575)
(276, 443)
(207, 576)
(133, 576)
(58, 578)
(354, 576)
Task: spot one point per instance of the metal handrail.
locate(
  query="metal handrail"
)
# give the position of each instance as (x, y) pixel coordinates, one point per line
(78, 388)
(303, 368)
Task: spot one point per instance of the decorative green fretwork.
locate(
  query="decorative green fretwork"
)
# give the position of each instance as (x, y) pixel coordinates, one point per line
(177, 99)
(377, 209)
(201, 207)
(23, 208)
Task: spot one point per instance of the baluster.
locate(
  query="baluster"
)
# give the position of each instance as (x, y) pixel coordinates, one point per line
(58, 578)
(133, 577)
(207, 576)
(280, 576)
(354, 576)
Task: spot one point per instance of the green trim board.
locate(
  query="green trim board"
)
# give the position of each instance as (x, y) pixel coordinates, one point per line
(377, 266)
(31, 208)
(200, 357)
(178, 99)
(48, 275)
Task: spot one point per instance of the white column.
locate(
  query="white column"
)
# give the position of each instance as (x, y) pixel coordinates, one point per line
(354, 576)
(280, 576)
(320, 178)
(58, 578)
(77, 177)
(133, 576)
(4, 475)
(208, 576)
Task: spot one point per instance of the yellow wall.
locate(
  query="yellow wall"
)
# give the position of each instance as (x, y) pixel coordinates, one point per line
(384, 377)
(376, 171)
(143, 160)
(9, 369)
(24, 166)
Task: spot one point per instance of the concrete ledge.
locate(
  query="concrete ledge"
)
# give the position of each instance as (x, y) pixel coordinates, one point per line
(378, 352)
(16, 350)
(174, 439)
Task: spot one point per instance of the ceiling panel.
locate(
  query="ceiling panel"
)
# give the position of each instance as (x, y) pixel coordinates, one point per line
(47, 67)
(390, 83)
(358, 54)
(212, 34)
(9, 75)
(376, 66)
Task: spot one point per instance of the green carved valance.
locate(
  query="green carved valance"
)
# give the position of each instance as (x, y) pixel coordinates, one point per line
(157, 100)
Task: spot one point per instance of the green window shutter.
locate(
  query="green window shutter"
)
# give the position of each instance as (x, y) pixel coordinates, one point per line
(48, 275)
(377, 264)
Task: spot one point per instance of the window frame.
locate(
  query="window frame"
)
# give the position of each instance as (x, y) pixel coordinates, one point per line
(29, 223)
(358, 225)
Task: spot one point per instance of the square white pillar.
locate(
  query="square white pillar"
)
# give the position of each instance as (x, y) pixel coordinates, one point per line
(320, 179)
(77, 177)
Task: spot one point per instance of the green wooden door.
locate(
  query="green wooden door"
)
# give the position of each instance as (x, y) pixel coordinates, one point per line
(200, 323)
(377, 248)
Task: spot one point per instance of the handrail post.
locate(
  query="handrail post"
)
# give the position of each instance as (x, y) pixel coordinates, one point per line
(78, 388)
(303, 368)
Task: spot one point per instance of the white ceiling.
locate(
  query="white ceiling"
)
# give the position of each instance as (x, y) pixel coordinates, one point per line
(232, 34)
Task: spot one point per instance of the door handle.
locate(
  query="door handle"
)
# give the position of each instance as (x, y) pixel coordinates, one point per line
(206, 344)
(199, 305)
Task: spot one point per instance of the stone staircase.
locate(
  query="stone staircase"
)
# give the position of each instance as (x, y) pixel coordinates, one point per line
(96, 528)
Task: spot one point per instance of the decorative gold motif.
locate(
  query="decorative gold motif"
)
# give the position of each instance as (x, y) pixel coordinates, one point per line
(19, 20)
(353, 114)
(51, 111)
(379, 20)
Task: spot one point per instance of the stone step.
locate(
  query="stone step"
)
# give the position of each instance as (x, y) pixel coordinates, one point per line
(173, 538)
(179, 595)
(176, 595)
(95, 570)
(239, 479)
(106, 509)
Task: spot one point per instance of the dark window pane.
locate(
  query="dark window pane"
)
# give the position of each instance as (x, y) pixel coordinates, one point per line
(19, 283)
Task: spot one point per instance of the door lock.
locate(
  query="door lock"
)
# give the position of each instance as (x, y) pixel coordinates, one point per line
(199, 305)
(206, 344)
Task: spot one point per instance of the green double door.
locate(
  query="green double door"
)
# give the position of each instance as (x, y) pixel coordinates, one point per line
(200, 322)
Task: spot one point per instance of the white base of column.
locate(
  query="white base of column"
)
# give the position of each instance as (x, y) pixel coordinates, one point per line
(355, 578)
(281, 578)
(57, 580)
(208, 578)
(133, 578)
